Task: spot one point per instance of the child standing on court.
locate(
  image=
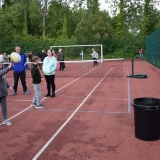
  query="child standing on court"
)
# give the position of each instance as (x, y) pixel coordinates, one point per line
(3, 92)
(53, 53)
(141, 53)
(36, 80)
(94, 57)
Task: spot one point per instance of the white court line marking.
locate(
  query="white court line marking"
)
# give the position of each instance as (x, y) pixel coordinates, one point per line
(11, 100)
(55, 91)
(116, 99)
(81, 111)
(77, 97)
(65, 123)
(129, 96)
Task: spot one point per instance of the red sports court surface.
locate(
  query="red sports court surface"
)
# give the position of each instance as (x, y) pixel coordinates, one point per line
(90, 118)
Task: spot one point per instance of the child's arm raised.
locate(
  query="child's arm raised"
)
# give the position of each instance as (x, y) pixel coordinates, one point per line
(4, 71)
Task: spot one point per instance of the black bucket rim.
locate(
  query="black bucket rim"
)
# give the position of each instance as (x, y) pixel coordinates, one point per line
(152, 106)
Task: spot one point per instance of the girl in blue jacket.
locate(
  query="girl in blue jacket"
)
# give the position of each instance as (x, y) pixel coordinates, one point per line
(49, 68)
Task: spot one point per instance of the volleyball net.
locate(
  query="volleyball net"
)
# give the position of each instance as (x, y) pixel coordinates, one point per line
(87, 68)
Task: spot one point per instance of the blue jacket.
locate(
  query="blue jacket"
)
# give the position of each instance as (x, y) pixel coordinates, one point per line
(49, 66)
(22, 65)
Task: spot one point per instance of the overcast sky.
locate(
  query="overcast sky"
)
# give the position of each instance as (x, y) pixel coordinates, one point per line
(104, 5)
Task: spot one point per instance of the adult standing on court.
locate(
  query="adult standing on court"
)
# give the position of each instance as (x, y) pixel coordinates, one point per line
(29, 58)
(141, 53)
(43, 55)
(61, 59)
(64, 58)
(94, 57)
(19, 70)
(49, 68)
(30, 55)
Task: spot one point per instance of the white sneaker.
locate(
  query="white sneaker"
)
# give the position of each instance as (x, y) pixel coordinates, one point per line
(7, 122)
(27, 93)
(39, 106)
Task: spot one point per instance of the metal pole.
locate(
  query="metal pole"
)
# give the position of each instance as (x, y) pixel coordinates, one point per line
(82, 55)
(101, 53)
(132, 67)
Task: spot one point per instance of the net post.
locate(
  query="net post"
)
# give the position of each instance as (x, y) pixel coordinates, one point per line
(82, 54)
(101, 53)
(132, 66)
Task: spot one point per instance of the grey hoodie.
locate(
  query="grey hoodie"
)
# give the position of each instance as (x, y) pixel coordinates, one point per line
(3, 83)
(60, 56)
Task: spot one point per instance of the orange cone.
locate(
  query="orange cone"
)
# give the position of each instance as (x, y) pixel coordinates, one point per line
(113, 65)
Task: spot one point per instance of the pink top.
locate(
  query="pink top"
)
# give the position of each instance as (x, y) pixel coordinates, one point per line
(54, 55)
(141, 51)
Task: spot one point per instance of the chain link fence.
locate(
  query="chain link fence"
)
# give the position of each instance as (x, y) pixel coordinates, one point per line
(153, 48)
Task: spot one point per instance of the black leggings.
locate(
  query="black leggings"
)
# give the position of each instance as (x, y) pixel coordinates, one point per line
(62, 66)
(95, 63)
(50, 83)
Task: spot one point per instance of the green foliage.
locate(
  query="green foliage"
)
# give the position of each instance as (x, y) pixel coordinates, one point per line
(36, 26)
(120, 20)
(64, 35)
(149, 18)
(94, 27)
(92, 6)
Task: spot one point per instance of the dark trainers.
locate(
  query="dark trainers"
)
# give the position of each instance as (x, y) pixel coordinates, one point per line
(7, 122)
(33, 104)
(13, 94)
(39, 106)
(53, 95)
(27, 93)
(47, 95)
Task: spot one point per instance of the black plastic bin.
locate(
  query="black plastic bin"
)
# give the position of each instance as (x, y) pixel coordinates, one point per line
(147, 118)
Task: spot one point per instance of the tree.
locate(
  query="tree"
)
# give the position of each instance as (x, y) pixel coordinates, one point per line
(145, 18)
(157, 26)
(55, 19)
(34, 20)
(120, 20)
(25, 5)
(10, 23)
(43, 6)
(149, 18)
(65, 34)
(6, 3)
(95, 26)
(92, 6)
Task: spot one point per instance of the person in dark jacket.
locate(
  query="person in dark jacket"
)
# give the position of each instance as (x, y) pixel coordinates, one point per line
(36, 80)
(64, 58)
(43, 55)
(30, 55)
(3, 92)
(20, 72)
(60, 58)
